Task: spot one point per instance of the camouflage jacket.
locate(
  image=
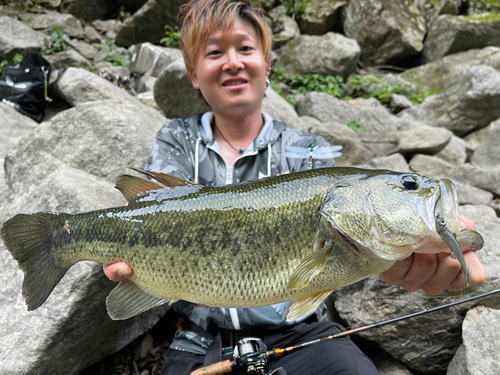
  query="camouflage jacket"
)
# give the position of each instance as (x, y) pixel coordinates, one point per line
(187, 149)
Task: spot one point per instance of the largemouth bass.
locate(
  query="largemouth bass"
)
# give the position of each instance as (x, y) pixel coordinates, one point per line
(295, 237)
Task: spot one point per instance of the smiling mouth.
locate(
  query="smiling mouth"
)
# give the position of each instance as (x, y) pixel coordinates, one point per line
(234, 83)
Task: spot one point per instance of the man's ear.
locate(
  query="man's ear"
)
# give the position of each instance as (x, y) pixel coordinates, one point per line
(194, 79)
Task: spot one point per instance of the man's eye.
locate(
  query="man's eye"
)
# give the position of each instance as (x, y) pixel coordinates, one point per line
(214, 52)
(246, 48)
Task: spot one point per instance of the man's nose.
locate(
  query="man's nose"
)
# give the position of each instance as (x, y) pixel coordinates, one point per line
(233, 61)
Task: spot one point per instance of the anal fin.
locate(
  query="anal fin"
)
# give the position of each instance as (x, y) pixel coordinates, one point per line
(127, 300)
(305, 305)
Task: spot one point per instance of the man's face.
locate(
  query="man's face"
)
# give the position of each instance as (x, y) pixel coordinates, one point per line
(231, 70)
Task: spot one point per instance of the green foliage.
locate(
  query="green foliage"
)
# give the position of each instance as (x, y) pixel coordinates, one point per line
(16, 60)
(172, 38)
(56, 42)
(113, 56)
(295, 8)
(91, 69)
(331, 85)
(356, 126)
(357, 86)
(375, 87)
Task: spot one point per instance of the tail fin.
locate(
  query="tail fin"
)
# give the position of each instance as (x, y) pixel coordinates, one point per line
(29, 240)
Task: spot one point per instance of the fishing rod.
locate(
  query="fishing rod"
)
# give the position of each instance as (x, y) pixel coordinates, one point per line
(252, 354)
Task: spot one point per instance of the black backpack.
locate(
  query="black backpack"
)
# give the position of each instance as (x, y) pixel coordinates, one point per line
(24, 85)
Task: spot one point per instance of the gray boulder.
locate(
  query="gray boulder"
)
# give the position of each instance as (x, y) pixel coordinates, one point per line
(468, 102)
(353, 151)
(474, 357)
(487, 154)
(436, 74)
(13, 127)
(484, 178)
(425, 139)
(449, 34)
(70, 164)
(44, 21)
(395, 162)
(279, 109)
(70, 57)
(372, 300)
(175, 94)
(78, 86)
(88, 10)
(377, 128)
(331, 53)
(283, 27)
(147, 24)
(447, 7)
(87, 50)
(468, 194)
(482, 6)
(320, 16)
(386, 30)
(456, 151)
(16, 37)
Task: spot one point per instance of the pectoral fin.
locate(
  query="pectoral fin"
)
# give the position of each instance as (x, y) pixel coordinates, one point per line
(127, 300)
(305, 305)
(309, 268)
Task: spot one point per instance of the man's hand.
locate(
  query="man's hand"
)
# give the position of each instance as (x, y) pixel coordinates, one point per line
(434, 273)
(117, 271)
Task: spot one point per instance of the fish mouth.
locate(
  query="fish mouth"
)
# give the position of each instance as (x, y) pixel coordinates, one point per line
(446, 206)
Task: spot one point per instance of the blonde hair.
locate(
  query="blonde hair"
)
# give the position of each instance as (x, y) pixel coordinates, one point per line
(203, 17)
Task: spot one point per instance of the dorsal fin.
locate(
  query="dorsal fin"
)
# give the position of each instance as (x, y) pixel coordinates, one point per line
(165, 179)
(132, 186)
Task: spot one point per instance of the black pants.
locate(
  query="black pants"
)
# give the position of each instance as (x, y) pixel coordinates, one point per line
(336, 356)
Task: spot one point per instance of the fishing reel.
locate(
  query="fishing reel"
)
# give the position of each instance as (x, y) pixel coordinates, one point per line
(250, 354)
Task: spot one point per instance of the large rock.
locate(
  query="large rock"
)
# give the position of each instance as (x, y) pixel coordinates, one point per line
(484, 178)
(331, 53)
(46, 20)
(283, 27)
(353, 151)
(86, 138)
(449, 34)
(468, 102)
(424, 139)
(70, 164)
(78, 85)
(487, 154)
(424, 349)
(88, 10)
(479, 341)
(175, 94)
(279, 109)
(386, 30)
(16, 37)
(148, 23)
(13, 127)
(378, 128)
(70, 57)
(435, 75)
(320, 16)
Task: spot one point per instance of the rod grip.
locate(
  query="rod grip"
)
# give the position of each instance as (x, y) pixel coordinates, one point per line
(224, 367)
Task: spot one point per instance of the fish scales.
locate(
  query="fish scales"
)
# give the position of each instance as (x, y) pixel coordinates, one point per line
(196, 240)
(292, 237)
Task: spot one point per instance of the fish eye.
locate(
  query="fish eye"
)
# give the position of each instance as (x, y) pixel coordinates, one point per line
(410, 182)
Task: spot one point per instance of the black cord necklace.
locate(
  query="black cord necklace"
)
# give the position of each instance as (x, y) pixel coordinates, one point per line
(241, 151)
(224, 138)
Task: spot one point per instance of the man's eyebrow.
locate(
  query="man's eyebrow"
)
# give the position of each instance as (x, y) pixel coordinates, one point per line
(218, 39)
